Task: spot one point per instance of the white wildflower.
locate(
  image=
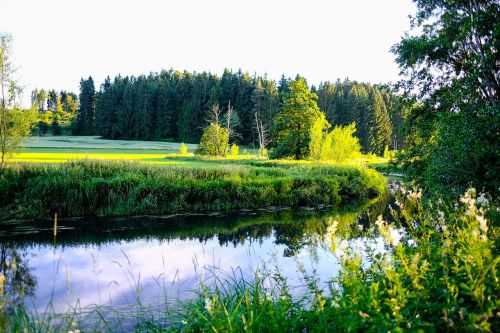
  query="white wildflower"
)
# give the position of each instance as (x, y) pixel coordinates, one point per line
(483, 225)
(343, 245)
(209, 306)
(412, 243)
(482, 200)
(380, 223)
(394, 236)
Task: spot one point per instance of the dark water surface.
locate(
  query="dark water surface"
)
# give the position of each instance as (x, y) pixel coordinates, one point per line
(154, 259)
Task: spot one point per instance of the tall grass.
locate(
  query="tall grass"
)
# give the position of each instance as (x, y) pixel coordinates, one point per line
(96, 188)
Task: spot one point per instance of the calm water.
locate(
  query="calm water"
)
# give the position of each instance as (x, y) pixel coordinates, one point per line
(157, 259)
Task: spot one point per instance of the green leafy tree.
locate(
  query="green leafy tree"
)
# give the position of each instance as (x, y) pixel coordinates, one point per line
(235, 149)
(57, 116)
(293, 123)
(450, 66)
(215, 138)
(342, 144)
(15, 124)
(318, 134)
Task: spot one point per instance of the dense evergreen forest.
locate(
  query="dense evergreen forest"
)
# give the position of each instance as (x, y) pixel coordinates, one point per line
(174, 105)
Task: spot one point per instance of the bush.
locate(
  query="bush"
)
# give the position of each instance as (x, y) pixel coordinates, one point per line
(183, 149)
(235, 150)
(213, 141)
(343, 143)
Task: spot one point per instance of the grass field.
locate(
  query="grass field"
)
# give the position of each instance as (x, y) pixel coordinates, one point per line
(61, 149)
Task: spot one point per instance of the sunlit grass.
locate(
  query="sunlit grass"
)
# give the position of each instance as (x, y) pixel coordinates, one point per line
(55, 157)
(172, 158)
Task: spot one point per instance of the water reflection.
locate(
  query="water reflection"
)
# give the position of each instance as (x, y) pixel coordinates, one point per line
(162, 258)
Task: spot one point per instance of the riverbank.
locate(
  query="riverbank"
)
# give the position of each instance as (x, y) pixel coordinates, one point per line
(106, 188)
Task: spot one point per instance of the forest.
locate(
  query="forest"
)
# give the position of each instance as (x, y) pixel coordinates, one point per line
(173, 105)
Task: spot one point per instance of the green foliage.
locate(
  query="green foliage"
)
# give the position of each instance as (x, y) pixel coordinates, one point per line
(294, 121)
(15, 123)
(451, 67)
(341, 144)
(261, 304)
(213, 141)
(317, 146)
(235, 150)
(386, 152)
(53, 110)
(441, 275)
(379, 123)
(173, 104)
(91, 188)
(183, 149)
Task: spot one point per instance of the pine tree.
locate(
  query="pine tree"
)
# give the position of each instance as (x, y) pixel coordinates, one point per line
(380, 128)
(85, 122)
(294, 120)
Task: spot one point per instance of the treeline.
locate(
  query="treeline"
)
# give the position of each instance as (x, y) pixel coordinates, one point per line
(175, 105)
(53, 109)
(376, 111)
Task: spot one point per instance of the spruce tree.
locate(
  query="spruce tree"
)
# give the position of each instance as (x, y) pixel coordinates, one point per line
(85, 122)
(293, 123)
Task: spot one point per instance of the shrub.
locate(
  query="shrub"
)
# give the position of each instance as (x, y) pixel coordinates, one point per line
(213, 141)
(235, 150)
(344, 143)
(183, 149)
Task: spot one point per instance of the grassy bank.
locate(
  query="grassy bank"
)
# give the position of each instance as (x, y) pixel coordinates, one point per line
(96, 188)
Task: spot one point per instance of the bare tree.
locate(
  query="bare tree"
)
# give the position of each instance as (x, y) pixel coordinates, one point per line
(214, 120)
(262, 134)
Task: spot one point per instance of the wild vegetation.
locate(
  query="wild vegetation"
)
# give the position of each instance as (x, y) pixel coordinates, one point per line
(451, 70)
(438, 275)
(95, 188)
(438, 270)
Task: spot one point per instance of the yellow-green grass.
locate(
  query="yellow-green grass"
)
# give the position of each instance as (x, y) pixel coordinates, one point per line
(62, 149)
(56, 156)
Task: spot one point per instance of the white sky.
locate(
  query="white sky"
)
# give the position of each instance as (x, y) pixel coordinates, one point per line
(56, 42)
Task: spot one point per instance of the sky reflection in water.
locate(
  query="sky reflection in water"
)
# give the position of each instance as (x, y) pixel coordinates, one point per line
(164, 259)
